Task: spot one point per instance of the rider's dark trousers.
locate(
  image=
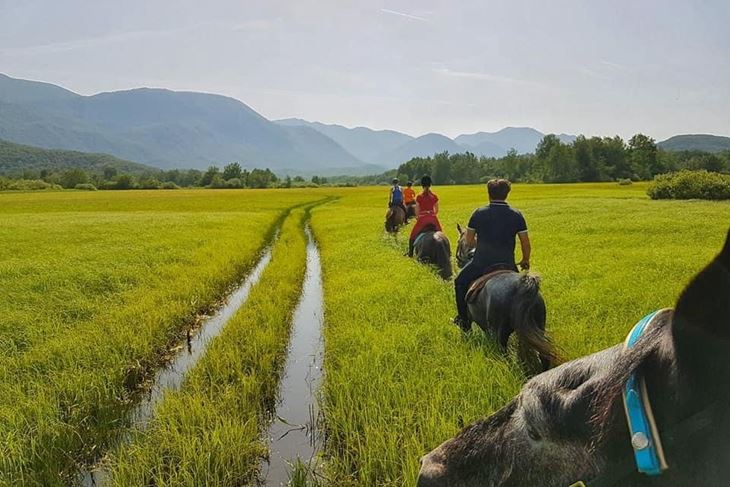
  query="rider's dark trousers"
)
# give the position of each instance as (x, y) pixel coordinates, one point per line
(468, 274)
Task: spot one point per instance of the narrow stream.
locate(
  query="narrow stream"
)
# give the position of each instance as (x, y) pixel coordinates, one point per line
(170, 377)
(293, 433)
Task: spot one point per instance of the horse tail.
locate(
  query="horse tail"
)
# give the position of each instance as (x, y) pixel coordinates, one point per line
(528, 319)
(443, 255)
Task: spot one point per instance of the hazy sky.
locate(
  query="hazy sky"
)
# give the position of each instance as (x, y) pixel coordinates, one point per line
(595, 67)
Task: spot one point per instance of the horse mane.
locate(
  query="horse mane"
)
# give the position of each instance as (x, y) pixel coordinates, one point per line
(610, 388)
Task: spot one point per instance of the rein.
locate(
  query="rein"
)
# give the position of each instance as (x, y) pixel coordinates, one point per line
(646, 443)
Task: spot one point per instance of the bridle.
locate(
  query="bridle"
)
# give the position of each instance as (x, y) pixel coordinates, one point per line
(646, 442)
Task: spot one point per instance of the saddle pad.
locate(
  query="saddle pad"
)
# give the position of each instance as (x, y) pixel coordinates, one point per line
(477, 285)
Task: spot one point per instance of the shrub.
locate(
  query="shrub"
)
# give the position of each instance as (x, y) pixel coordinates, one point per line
(624, 182)
(217, 182)
(72, 177)
(169, 185)
(26, 185)
(85, 186)
(149, 183)
(108, 185)
(685, 185)
(234, 183)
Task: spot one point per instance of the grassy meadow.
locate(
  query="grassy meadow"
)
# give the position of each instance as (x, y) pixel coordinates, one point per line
(400, 379)
(98, 286)
(209, 433)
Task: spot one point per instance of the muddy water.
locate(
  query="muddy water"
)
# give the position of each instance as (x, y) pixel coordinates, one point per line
(293, 433)
(170, 377)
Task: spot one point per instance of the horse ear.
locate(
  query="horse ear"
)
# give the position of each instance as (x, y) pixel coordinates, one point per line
(700, 325)
(458, 228)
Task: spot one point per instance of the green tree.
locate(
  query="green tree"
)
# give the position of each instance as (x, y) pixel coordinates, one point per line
(209, 176)
(124, 181)
(109, 173)
(441, 169)
(72, 177)
(643, 156)
(232, 170)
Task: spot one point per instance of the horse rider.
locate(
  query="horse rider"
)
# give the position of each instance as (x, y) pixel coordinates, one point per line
(492, 230)
(396, 198)
(409, 198)
(427, 209)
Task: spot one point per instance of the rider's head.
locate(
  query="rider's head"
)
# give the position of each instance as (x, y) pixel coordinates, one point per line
(395, 181)
(498, 189)
(409, 183)
(426, 181)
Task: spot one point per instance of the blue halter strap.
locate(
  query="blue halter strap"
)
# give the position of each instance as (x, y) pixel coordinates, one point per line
(645, 439)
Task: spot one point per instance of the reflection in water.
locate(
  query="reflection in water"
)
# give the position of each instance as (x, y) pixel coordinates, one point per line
(293, 433)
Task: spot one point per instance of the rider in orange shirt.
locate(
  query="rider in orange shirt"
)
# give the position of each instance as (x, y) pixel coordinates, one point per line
(409, 198)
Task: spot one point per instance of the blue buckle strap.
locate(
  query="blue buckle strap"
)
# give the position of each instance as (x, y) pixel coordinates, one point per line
(645, 439)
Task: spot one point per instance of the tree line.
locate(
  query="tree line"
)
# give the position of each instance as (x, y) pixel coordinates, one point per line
(587, 159)
(231, 176)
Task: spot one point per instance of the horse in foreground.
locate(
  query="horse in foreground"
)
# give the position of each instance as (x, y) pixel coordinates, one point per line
(568, 426)
(433, 247)
(506, 301)
(395, 217)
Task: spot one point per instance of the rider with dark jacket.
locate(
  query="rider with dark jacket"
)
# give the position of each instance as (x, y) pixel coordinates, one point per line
(492, 230)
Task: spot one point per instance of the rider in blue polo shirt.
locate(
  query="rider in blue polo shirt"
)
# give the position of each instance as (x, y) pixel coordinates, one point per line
(492, 230)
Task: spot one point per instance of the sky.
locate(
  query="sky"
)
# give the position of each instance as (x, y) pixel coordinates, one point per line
(661, 67)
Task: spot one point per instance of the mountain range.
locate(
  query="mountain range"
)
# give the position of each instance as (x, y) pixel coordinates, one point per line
(389, 148)
(176, 129)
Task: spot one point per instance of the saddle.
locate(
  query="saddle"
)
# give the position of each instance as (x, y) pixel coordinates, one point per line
(477, 285)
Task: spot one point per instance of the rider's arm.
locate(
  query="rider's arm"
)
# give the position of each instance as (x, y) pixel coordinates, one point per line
(471, 238)
(436, 208)
(526, 249)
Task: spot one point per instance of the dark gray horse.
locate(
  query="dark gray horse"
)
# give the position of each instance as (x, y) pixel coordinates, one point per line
(511, 302)
(394, 219)
(568, 424)
(432, 247)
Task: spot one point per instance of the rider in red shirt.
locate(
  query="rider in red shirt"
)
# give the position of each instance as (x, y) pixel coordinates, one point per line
(427, 207)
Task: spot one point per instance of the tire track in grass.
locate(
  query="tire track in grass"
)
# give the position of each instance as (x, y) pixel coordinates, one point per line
(209, 431)
(170, 377)
(293, 436)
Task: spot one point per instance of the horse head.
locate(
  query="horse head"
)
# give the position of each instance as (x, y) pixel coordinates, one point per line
(568, 424)
(463, 252)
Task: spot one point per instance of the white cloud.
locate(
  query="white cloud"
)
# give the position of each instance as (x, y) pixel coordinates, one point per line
(404, 14)
(495, 78)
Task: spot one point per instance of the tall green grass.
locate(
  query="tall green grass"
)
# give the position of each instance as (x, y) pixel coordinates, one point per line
(95, 288)
(209, 432)
(400, 379)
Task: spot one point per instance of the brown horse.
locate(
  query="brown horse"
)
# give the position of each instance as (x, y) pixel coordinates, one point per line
(395, 217)
(568, 424)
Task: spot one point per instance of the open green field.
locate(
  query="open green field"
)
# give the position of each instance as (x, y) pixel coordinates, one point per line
(98, 286)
